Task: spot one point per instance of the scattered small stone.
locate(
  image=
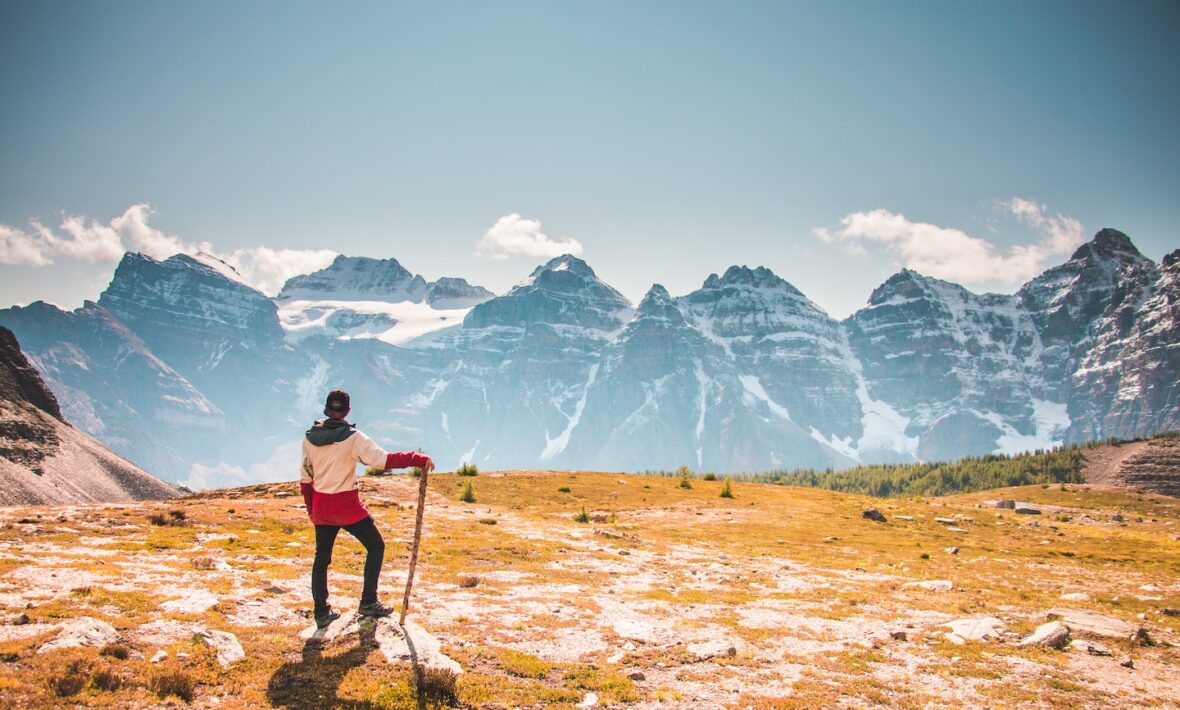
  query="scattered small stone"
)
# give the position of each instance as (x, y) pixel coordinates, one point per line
(873, 514)
(615, 658)
(952, 528)
(1118, 518)
(1169, 611)
(898, 635)
(637, 675)
(1027, 510)
(1148, 588)
(284, 494)
(831, 538)
(225, 644)
(1129, 663)
(907, 518)
(1076, 597)
(160, 655)
(1006, 504)
(952, 550)
(21, 619)
(1096, 650)
(589, 701)
(1053, 634)
(945, 521)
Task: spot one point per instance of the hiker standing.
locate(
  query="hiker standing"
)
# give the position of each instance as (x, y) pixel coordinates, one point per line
(332, 449)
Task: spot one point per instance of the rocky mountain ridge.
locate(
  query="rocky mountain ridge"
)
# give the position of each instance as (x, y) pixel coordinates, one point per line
(43, 459)
(744, 373)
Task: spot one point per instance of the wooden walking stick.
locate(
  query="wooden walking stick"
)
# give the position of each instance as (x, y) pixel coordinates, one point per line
(414, 548)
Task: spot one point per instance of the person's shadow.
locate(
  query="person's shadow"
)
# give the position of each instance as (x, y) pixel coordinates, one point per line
(314, 682)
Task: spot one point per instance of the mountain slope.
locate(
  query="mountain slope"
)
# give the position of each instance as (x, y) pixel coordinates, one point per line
(44, 460)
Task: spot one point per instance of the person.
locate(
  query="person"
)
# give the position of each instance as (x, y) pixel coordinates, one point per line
(332, 448)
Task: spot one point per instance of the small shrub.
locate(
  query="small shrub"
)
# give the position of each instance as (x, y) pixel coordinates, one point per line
(106, 680)
(468, 495)
(115, 650)
(727, 490)
(174, 683)
(469, 582)
(467, 469)
(563, 489)
(175, 518)
(487, 521)
(437, 686)
(71, 681)
(710, 476)
(204, 563)
(582, 517)
(375, 471)
(81, 591)
(416, 472)
(684, 480)
(230, 511)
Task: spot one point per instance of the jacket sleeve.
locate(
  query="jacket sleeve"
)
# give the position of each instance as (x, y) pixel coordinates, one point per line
(405, 459)
(370, 454)
(306, 475)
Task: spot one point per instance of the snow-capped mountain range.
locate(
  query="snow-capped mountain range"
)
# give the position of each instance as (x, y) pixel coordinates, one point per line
(185, 369)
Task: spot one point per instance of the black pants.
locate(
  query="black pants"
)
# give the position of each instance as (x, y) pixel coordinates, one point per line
(325, 539)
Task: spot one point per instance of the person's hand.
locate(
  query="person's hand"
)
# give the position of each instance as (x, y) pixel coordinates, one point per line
(429, 465)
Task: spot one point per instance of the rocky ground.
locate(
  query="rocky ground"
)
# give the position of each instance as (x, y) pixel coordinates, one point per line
(666, 597)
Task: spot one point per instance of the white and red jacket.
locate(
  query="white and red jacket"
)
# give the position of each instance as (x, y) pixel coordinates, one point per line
(327, 477)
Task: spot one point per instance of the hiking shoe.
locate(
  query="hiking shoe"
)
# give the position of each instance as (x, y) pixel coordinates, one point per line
(375, 609)
(325, 618)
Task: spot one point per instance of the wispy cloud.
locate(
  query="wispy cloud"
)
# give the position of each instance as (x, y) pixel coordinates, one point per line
(86, 239)
(513, 235)
(952, 254)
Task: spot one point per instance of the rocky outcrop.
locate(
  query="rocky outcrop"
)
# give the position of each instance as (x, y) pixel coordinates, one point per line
(45, 460)
(1152, 465)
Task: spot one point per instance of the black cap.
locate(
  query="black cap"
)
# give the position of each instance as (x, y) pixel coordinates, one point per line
(337, 403)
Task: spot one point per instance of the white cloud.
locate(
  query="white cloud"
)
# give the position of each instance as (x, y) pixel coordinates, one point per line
(952, 254)
(268, 269)
(85, 239)
(513, 235)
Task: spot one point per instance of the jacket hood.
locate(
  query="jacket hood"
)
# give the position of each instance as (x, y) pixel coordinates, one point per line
(329, 431)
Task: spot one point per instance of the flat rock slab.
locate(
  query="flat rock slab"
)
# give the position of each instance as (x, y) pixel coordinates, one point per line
(196, 602)
(933, 585)
(975, 629)
(1094, 623)
(398, 644)
(712, 649)
(83, 631)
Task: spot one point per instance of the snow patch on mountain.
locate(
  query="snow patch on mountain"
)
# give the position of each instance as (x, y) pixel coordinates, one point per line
(754, 387)
(393, 323)
(557, 445)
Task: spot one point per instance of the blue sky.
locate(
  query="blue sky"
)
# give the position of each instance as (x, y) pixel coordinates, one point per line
(832, 142)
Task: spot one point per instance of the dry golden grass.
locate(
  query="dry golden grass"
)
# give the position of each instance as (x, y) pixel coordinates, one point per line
(810, 615)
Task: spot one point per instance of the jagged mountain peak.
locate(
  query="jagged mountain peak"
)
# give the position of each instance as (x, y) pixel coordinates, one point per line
(758, 277)
(357, 278)
(1171, 260)
(564, 290)
(657, 302)
(1108, 244)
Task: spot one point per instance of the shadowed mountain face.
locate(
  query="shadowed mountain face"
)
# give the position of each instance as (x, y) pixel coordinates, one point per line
(185, 368)
(43, 459)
